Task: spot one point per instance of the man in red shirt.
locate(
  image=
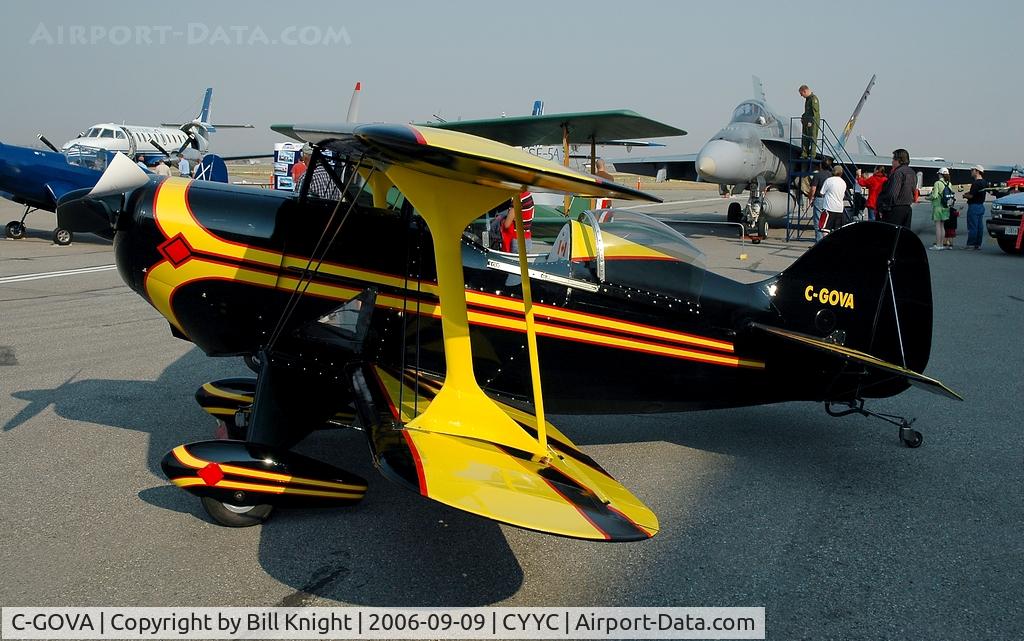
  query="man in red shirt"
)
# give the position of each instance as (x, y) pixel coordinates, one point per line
(298, 171)
(873, 183)
(508, 224)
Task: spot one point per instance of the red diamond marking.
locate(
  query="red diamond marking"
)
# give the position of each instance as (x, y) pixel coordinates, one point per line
(176, 250)
(211, 474)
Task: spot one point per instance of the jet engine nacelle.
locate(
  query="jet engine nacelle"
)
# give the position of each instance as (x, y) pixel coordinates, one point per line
(774, 206)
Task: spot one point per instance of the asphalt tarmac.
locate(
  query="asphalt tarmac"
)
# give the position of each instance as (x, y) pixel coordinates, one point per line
(831, 525)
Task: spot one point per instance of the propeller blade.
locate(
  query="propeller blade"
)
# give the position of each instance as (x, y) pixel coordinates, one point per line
(121, 175)
(46, 142)
(162, 150)
(191, 138)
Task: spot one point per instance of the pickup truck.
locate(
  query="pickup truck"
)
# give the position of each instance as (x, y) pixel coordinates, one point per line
(1005, 222)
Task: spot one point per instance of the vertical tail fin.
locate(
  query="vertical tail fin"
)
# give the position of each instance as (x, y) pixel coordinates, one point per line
(867, 287)
(538, 108)
(204, 113)
(758, 88)
(864, 146)
(353, 103)
(848, 129)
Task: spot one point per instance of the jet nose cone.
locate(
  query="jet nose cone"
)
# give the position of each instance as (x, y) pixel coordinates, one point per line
(721, 161)
(706, 166)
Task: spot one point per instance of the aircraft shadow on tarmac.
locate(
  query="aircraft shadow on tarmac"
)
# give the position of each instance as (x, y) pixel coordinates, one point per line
(396, 548)
(424, 553)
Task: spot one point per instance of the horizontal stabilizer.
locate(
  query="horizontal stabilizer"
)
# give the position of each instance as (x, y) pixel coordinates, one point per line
(569, 494)
(867, 360)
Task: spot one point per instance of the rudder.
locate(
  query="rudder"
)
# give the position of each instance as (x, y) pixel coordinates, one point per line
(866, 287)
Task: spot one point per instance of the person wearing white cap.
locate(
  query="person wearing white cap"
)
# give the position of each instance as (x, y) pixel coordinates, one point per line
(975, 207)
(942, 198)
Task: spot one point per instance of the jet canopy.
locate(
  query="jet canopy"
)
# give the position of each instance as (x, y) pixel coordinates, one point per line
(753, 112)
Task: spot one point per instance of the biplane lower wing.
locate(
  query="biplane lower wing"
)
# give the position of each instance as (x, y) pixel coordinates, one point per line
(862, 358)
(568, 495)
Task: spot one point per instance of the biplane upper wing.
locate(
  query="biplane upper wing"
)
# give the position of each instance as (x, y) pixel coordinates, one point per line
(600, 127)
(456, 156)
(452, 443)
(862, 358)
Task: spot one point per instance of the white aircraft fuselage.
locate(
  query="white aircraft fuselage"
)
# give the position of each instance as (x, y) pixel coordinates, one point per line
(135, 139)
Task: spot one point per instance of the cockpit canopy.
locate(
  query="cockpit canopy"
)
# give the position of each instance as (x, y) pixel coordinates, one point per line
(81, 155)
(753, 112)
(617, 248)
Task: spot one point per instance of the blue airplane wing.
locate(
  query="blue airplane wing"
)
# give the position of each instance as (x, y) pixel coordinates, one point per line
(57, 188)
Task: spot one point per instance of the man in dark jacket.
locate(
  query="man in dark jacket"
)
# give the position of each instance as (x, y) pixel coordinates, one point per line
(975, 207)
(817, 182)
(898, 192)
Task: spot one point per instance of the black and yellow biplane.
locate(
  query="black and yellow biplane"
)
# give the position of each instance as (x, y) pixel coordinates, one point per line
(367, 300)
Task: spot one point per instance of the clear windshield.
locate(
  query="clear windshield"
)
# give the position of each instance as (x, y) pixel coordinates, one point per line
(752, 112)
(86, 156)
(634, 250)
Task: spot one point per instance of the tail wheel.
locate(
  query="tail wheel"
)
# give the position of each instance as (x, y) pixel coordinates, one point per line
(236, 515)
(15, 229)
(62, 236)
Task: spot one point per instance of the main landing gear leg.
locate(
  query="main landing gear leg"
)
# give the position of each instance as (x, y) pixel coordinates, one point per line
(16, 228)
(908, 435)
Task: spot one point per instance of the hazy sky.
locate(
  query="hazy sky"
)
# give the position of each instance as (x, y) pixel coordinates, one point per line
(948, 73)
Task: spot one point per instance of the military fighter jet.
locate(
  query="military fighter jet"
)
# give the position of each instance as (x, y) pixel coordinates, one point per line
(755, 151)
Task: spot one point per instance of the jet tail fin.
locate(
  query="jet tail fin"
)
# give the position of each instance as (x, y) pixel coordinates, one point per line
(538, 108)
(758, 88)
(848, 129)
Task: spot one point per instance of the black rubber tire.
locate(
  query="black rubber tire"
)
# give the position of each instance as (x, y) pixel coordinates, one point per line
(912, 441)
(62, 237)
(762, 227)
(225, 516)
(735, 213)
(252, 362)
(15, 229)
(1009, 245)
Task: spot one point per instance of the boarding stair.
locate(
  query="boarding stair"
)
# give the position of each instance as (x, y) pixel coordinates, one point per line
(799, 217)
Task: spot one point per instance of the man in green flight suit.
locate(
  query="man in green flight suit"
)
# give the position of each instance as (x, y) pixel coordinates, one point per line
(811, 121)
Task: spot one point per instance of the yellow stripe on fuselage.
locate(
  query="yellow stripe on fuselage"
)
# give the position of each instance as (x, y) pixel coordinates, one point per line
(173, 215)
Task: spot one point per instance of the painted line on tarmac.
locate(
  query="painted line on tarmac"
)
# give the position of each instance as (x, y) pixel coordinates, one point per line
(679, 202)
(67, 272)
